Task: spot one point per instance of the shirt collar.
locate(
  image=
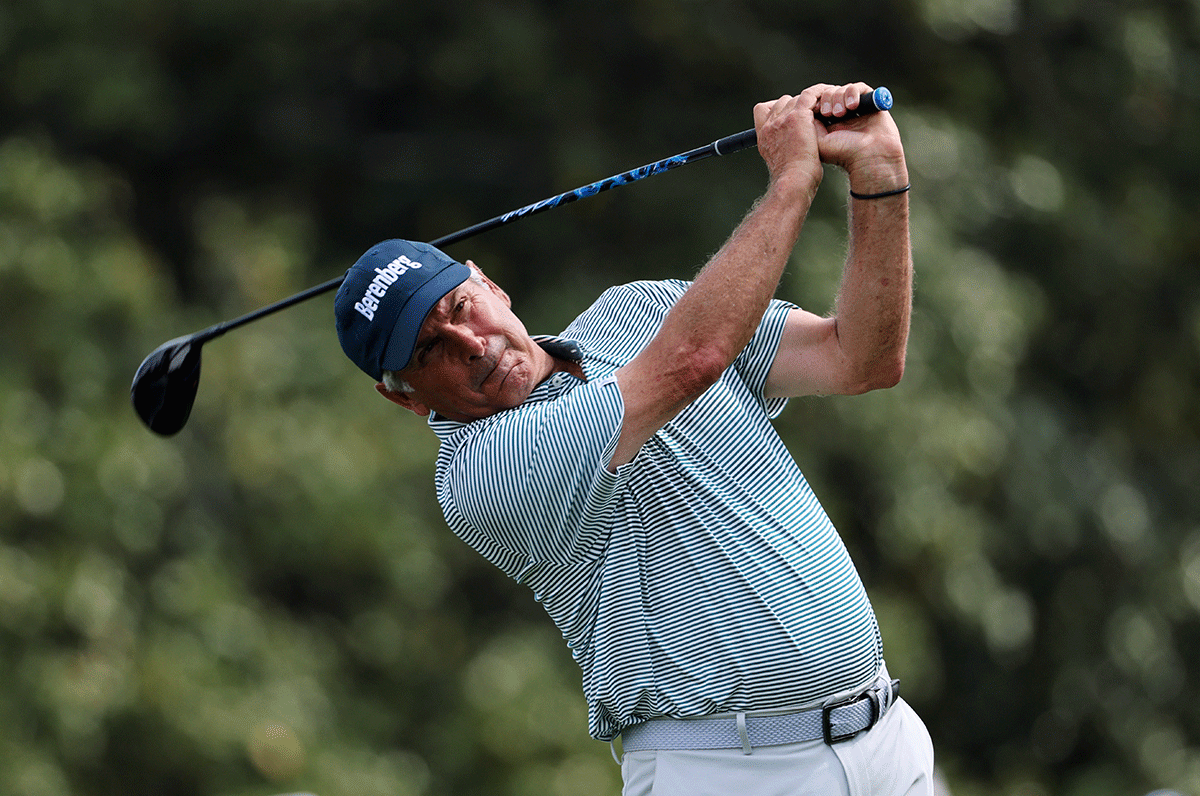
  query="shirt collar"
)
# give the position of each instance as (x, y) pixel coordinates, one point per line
(560, 347)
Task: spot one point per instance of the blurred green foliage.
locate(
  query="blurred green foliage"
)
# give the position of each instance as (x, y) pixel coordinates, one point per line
(270, 601)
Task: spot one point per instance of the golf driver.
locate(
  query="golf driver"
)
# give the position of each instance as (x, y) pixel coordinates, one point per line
(164, 387)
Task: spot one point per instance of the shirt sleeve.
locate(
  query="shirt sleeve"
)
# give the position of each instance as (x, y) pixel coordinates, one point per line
(649, 302)
(754, 363)
(529, 485)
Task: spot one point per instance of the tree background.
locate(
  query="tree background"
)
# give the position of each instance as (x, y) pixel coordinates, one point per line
(270, 600)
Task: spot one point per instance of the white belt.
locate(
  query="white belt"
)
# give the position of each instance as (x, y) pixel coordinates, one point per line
(832, 723)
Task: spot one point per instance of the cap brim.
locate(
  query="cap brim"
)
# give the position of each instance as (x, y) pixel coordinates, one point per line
(404, 334)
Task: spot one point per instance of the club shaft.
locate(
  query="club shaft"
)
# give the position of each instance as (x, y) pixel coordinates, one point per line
(724, 146)
(878, 100)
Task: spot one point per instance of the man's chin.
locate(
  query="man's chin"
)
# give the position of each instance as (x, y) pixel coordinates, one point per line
(513, 392)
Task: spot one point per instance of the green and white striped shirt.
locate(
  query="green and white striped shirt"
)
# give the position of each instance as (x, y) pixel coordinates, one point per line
(703, 576)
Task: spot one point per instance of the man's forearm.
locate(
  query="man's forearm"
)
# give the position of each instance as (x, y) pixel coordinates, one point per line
(714, 320)
(726, 302)
(874, 303)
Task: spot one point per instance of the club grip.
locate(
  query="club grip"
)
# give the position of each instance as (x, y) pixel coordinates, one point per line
(735, 143)
(879, 100)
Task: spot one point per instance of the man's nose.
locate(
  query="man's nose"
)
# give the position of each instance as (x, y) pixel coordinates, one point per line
(466, 342)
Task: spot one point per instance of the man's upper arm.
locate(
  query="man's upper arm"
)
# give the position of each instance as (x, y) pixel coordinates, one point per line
(530, 484)
(809, 360)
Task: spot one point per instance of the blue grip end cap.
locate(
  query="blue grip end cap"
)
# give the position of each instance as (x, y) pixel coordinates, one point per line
(883, 98)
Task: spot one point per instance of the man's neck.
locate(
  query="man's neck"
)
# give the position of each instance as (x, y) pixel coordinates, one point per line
(569, 366)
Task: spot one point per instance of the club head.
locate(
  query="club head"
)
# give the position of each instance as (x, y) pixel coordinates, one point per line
(164, 387)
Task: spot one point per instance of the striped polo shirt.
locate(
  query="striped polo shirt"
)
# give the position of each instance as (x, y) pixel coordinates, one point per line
(701, 577)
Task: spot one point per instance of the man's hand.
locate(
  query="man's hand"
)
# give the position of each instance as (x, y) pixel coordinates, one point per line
(867, 147)
(787, 142)
(793, 142)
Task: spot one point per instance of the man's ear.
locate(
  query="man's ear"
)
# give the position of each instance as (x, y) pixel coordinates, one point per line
(404, 399)
(499, 291)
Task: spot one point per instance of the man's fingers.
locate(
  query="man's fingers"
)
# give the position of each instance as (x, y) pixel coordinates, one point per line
(789, 136)
(835, 101)
(764, 110)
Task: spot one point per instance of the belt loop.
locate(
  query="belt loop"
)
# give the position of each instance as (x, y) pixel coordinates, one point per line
(880, 697)
(893, 692)
(741, 728)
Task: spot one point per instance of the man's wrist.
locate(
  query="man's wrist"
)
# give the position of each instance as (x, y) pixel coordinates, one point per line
(878, 177)
(796, 184)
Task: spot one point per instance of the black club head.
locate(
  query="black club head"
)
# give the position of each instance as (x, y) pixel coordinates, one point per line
(164, 387)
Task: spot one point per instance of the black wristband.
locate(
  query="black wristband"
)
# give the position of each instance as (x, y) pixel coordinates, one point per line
(880, 195)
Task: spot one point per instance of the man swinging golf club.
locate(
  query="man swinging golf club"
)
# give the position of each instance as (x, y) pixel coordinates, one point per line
(627, 472)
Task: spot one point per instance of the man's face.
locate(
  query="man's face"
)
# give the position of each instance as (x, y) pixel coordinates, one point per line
(473, 356)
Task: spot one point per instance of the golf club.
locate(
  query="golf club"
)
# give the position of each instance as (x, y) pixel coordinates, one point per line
(164, 387)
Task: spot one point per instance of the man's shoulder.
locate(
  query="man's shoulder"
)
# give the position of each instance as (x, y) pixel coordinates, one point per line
(623, 319)
(636, 298)
(649, 290)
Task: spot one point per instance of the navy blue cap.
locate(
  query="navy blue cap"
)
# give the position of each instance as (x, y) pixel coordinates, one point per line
(384, 299)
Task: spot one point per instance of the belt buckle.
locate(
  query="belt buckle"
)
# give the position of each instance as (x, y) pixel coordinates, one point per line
(826, 723)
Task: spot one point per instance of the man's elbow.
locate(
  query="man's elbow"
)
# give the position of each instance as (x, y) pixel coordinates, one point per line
(890, 375)
(881, 374)
(702, 367)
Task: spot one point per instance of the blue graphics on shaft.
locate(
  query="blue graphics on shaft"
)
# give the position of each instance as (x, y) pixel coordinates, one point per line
(633, 175)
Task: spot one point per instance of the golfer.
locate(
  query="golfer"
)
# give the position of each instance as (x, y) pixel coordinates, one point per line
(627, 472)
